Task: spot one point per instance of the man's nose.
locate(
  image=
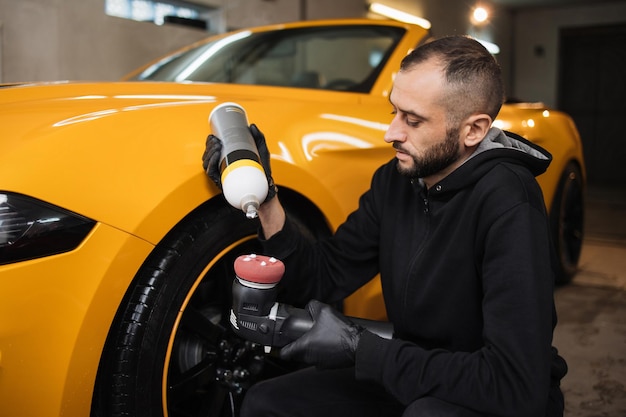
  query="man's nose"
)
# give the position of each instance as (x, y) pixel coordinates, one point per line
(394, 132)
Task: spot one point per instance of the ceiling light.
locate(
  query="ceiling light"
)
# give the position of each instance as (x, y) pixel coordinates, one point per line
(399, 15)
(480, 15)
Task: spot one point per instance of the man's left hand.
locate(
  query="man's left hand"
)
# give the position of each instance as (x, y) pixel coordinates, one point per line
(330, 343)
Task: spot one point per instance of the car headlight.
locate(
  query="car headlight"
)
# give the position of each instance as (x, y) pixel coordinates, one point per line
(31, 228)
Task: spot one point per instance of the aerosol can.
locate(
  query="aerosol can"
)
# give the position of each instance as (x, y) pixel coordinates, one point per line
(244, 183)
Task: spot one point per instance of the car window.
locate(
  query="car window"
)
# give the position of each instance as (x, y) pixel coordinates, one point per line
(345, 58)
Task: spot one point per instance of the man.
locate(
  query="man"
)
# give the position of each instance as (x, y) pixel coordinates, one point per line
(456, 226)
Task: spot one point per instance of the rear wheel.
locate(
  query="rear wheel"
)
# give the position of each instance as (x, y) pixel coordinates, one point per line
(567, 222)
(170, 350)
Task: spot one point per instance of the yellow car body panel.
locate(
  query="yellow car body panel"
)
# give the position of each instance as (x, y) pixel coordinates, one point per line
(51, 333)
(128, 155)
(550, 129)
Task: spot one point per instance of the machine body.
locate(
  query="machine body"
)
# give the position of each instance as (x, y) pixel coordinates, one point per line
(256, 316)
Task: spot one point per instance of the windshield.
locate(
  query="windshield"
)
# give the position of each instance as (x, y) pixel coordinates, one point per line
(345, 58)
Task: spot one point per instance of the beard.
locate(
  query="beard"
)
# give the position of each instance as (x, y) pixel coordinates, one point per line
(435, 159)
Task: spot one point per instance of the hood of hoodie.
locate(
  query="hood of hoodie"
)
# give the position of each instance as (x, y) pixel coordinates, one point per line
(497, 147)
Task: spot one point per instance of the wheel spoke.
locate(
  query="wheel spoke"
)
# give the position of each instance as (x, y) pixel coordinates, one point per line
(195, 322)
(187, 383)
(221, 401)
(216, 401)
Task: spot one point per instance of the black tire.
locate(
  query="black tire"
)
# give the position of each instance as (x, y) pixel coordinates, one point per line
(567, 222)
(170, 350)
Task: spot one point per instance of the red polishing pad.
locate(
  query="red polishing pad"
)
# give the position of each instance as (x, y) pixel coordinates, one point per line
(259, 269)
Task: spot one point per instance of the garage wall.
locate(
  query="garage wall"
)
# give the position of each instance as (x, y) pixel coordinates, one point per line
(536, 34)
(245, 13)
(75, 40)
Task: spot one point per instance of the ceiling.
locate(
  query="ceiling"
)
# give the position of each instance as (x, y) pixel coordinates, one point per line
(517, 4)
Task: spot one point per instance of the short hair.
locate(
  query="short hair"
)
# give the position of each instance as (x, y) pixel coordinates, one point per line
(472, 74)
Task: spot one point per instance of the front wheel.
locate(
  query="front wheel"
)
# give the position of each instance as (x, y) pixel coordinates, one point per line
(170, 350)
(567, 222)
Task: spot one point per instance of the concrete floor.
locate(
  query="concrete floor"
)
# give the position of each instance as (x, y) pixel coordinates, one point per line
(591, 333)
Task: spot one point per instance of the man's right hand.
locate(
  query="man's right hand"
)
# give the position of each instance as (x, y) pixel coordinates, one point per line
(213, 152)
(264, 155)
(211, 159)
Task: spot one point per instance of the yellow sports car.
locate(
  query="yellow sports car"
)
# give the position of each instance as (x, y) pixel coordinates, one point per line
(116, 250)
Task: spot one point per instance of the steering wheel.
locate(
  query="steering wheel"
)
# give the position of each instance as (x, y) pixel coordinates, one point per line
(340, 84)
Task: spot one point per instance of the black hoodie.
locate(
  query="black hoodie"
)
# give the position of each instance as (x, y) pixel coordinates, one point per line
(467, 275)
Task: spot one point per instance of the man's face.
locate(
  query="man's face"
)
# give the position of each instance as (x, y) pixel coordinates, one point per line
(425, 148)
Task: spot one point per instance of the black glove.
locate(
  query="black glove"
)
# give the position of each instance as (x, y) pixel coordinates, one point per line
(211, 159)
(330, 343)
(213, 152)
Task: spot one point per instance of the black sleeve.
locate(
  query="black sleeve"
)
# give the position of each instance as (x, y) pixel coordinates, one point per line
(331, 269)
(511, 374)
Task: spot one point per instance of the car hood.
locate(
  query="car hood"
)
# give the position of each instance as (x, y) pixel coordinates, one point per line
(115, 151)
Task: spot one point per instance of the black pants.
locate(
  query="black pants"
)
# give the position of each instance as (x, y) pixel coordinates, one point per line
(311, 392)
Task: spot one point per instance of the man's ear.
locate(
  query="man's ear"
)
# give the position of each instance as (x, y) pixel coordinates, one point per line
(476, 128)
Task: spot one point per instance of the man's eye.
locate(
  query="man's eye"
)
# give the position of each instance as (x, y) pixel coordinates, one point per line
(412, 123)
